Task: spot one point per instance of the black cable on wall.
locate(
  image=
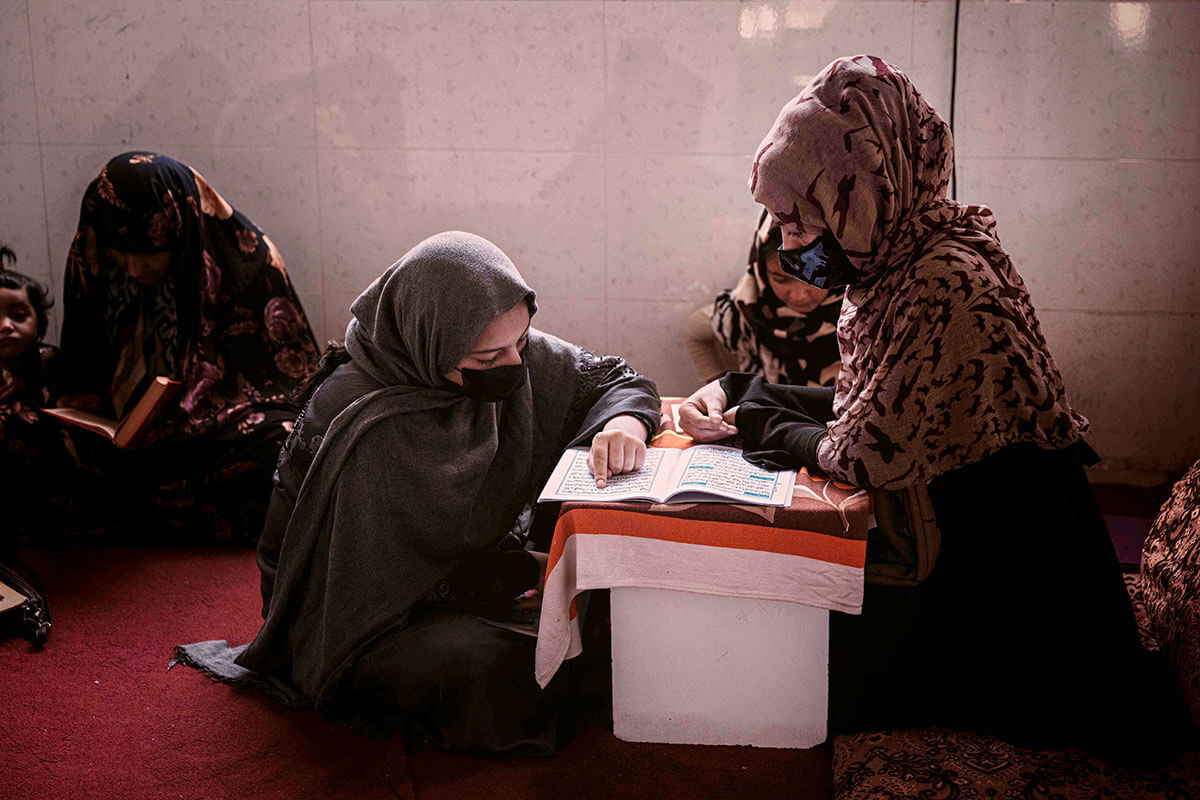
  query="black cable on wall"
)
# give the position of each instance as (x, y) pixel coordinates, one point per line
(953, 84)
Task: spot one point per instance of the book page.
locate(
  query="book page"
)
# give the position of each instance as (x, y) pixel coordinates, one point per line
(128, 431)
(719, 470)
(152, 402)
(85, 419)
(572, 480)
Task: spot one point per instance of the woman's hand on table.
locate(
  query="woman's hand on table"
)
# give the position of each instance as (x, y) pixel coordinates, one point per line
(620, 447)
(703, 415)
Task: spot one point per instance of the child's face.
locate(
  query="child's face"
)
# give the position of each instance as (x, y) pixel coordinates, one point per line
(18, 323)
(795, 293)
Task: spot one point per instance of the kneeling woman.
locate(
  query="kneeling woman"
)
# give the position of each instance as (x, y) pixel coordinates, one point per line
(400, 504)
(166, 278)
(1023, 626)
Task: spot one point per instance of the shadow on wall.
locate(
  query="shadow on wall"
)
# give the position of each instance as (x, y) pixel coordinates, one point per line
(278, 187)
(374, 199)
(540, 207)
(164, 103)
(659, 258)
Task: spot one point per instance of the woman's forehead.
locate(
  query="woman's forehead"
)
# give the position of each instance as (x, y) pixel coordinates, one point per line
(505, 330)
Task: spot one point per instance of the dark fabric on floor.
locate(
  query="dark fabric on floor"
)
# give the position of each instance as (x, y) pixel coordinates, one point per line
(97, 714)
(1024, 626)
(941, 763)
(936, 762)
(1128, 536)
(1129, 511)
(466, 683)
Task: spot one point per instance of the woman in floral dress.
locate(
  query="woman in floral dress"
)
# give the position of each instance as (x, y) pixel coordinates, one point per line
(165, 278)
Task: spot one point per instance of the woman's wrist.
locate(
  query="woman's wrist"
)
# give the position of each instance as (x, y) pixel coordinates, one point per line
(629, 424)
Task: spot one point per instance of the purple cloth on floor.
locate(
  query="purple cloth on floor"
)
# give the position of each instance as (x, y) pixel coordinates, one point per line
(1128, 535)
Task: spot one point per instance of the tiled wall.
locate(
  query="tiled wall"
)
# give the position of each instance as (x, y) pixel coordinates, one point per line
(605, 146)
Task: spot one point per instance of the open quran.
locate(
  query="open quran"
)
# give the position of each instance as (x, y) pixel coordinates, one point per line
(129, 430)
(701, 473)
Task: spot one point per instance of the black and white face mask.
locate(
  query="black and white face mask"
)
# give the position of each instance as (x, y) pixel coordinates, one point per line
(822, 263)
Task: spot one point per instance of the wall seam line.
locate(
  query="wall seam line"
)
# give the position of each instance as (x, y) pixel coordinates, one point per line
(37, 125)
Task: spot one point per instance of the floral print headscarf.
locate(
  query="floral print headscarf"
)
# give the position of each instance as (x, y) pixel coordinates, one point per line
(225, 320)
(943, 359)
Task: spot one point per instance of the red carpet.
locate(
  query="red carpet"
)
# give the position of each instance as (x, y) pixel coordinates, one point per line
(97, 715)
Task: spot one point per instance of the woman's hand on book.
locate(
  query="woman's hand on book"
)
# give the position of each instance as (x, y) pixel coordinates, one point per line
(703, 415)
(620, 447)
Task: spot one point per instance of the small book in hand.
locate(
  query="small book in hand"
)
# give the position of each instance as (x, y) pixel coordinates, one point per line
(702, 473)
(131, 429)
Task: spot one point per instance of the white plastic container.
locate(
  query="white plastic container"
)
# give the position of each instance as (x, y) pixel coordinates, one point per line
(701, 669)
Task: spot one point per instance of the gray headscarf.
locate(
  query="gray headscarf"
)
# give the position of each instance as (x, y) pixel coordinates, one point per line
(415, 322)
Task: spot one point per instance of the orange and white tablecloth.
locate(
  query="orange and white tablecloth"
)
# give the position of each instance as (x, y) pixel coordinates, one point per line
(811, 552)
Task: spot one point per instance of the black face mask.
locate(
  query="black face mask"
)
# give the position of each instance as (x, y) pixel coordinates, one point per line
(822, 263)
(494, 384)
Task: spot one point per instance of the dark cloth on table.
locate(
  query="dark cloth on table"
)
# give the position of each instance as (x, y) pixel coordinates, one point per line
(392, 478)
(225, 321)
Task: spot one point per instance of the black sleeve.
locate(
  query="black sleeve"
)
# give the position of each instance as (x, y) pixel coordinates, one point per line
(291, 467)
(608, 387)
(814, 401)
(780, 426)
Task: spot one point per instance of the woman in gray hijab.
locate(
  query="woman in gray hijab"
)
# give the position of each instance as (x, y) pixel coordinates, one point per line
(400, 518)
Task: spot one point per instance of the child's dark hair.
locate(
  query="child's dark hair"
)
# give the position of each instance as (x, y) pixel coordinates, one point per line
(769, 244)
(767, 237)
(39, 295)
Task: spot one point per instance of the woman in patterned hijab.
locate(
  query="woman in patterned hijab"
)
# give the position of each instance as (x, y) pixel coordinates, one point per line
(946, 383)
(165, 278)
(934, 301)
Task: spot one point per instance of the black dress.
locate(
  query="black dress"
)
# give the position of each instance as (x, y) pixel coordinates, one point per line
(1023, 627)
(441, 673)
